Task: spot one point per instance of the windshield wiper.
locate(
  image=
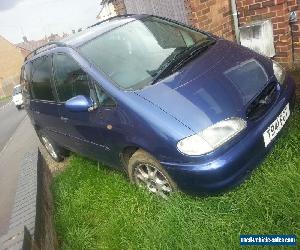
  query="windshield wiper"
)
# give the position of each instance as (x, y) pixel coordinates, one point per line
(182, 58)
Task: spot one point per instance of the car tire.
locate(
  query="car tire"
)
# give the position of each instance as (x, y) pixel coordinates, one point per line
(145, 171)
(18, 107)
(56, 152)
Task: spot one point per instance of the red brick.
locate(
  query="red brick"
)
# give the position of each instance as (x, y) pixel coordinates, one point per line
(261, 11)
(268, 3)
(278, 19)
(280, 1)
(255, 6)
(279, 31)
(282, 25)
(248, 12)
(247, 2)
(281, 54)
(276, 7)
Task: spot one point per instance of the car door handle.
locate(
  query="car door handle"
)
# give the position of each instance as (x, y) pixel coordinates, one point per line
(65, 119)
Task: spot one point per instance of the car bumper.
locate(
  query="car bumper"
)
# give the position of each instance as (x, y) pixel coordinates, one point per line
(231, 167)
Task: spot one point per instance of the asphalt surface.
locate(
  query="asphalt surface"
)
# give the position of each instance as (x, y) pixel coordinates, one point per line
(17, 137)
(10, 118)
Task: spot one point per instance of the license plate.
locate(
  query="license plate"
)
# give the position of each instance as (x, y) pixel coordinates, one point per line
(276, 125)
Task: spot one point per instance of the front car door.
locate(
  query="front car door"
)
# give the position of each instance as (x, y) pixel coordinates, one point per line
(43, 106)
(86, 130)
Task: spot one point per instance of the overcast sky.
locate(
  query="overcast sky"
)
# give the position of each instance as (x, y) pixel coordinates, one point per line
(37, 18)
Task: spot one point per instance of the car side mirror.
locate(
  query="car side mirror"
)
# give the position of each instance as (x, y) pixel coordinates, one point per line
(79, 103)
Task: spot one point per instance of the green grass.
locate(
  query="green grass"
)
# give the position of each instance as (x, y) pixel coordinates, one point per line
(99, 209)
(4, 98)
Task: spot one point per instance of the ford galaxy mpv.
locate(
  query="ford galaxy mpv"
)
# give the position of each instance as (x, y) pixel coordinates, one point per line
(176, 108)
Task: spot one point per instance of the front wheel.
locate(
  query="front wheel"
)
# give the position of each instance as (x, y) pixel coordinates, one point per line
(52, 148)
(145, 171)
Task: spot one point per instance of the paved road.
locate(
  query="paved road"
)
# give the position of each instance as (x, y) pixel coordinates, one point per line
(10, 118)
(17, 137)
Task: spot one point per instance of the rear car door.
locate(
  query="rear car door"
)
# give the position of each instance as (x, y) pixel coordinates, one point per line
(86, 134)
(43, 106)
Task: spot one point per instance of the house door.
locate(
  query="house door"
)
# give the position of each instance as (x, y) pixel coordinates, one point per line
(173, 9)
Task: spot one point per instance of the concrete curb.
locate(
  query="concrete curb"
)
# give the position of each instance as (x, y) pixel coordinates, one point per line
(31, 222)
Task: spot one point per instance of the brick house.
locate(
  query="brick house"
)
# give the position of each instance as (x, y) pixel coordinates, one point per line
(28, 46)
(11, 60)
(227, 17)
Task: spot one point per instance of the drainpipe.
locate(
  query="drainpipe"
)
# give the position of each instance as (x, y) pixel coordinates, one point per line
(235, 20)
(293, 18)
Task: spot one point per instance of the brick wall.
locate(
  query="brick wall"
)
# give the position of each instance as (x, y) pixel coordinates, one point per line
(11, 60)
(294, 5)
(215, 16)
(278, 12)
(211, 15)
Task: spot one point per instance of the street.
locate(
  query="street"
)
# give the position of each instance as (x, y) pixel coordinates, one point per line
(16, 138)
(10, 118)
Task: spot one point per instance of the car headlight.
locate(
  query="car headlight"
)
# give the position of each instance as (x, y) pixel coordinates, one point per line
(279, 72)
(212, 137)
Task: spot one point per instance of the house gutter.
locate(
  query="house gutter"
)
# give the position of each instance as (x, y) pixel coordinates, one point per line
(235, 20)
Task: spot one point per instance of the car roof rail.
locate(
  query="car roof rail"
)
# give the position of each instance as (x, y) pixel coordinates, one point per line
(110, 18)
(45, 47)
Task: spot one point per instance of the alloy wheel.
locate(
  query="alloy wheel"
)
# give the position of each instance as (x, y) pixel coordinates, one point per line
(153, 179)
(49, 147)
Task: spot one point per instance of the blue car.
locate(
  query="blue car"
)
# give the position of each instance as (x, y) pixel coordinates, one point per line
(174, 107)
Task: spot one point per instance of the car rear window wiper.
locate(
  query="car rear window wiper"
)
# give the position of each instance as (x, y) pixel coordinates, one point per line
(182, 58)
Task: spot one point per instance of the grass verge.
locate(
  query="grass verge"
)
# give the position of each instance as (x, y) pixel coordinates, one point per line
(5, 98)
(99, 209)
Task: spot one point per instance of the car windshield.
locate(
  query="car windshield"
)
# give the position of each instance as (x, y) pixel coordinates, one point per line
(133, 55)
(17, 90)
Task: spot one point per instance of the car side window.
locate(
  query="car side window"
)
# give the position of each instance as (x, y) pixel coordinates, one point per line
(70, 79)
(25, 79)
(104, 99)
(41, 79)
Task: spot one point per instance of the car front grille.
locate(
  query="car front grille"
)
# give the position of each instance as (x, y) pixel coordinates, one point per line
(262, 102)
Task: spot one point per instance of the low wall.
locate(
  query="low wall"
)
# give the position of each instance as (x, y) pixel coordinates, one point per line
(31, 223)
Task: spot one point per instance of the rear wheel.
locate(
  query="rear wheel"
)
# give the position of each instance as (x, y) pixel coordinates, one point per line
(145, 171)
(52, 148)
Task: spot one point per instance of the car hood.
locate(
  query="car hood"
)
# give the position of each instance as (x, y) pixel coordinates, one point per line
(218, 84)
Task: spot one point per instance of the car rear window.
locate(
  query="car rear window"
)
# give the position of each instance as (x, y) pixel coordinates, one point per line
(41, 79)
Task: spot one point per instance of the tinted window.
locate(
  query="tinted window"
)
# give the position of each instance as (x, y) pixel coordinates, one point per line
(103, 98)
(132, 55)
(70, 79)
(41, 79)
(25, 79)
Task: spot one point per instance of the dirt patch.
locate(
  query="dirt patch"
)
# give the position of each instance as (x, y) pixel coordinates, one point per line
(54, 167)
